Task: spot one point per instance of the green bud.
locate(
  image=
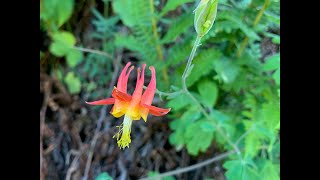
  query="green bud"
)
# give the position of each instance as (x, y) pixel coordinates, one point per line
(205, 14)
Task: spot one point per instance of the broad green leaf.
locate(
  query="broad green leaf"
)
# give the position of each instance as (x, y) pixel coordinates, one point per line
(206, 126)
(269, 171)
(272, 62)
(135, 13)
(64, 10)
(104, 176)
(56, 12)
(74, 57)
(209, 92)
(73, 83)
(125, 10)
(179, 102)
(62, 43)
(179, 125)
(240, 170)
(227, 70)
(172, 5)
(197, 139)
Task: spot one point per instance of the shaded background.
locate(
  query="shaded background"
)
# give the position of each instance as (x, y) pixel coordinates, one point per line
(85, 45)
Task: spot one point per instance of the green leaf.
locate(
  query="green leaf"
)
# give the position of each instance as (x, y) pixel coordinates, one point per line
(242, 4)
(179, 126)
(179, 102)
(240, 170)
(62, 43)
(56, 12)
(272, 62)
(227, 70)
(236, 18)
(73, 83)
(178, 26)
(134, 13)
(269, 171)
(275, 37)
(126, 14)
(128, 42)
(104, 176)
(252, 145)
(206, 126)
(172, 5)
(64, 11)
(74, 57)
(197, 139)
(276, 76)
(209, 92)
(271, 115)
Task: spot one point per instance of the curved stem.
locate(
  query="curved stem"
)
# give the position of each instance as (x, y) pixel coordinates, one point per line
(185, 90)
(255, 23)
(193, 167)
(93, 51)
(193, 51)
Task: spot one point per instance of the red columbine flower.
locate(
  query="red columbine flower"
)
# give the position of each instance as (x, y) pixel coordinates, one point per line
(132, 107)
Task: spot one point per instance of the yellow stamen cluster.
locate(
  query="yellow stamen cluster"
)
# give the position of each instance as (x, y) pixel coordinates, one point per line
(124, 132)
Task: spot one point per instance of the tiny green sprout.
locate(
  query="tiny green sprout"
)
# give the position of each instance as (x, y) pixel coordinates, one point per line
(205, 14)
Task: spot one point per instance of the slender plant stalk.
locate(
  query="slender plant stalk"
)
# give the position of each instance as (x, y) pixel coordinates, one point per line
(255, 23)
(193, 167)
(187, 92)
(93, 51)
(156, 36)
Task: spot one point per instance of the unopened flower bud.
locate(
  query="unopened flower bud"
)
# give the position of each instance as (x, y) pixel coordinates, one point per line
(205, 14)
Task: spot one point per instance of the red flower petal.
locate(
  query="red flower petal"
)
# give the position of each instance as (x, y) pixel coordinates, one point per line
(156, 111)
(117, 94)
(102, 102)
(123, 78)
(148, 94)
(136, 96)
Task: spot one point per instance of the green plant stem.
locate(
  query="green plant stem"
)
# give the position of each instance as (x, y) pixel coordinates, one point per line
(187, 92)
(255, 23)
(156, 36)
(193, 167)
(93, 51)
(193, 51)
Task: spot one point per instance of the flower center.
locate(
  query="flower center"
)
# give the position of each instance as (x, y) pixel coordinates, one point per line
(124, 132)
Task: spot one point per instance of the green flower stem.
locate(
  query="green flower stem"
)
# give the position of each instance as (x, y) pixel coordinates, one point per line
(187, 92)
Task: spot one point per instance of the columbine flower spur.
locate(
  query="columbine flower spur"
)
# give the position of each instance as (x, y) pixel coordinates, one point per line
(132, 107)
